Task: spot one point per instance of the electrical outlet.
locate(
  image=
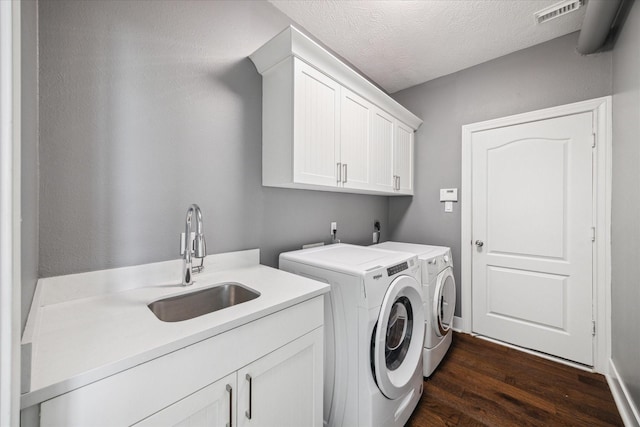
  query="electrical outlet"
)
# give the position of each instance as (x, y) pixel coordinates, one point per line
(376, 231)
(334, 228)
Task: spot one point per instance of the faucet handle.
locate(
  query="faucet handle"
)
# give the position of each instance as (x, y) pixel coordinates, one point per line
(200, 246)
(183, 242)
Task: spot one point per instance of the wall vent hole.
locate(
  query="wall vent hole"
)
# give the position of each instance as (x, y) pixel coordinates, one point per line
(557, 10)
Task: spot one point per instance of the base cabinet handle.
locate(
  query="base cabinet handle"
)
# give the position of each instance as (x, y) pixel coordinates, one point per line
(339, 173)
(248, 413)
(230, 390)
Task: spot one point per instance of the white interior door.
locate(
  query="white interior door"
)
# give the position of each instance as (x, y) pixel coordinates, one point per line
(532, 275)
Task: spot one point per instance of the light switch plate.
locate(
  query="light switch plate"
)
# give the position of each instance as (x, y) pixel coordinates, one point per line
(448, 206)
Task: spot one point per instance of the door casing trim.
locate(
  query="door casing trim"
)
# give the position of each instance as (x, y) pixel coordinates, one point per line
(601, 109)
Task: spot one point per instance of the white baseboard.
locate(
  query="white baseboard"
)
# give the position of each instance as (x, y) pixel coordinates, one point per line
(457, 324)
(627, 408)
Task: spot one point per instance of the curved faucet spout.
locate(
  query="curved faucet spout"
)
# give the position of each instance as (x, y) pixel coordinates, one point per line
(193, 246)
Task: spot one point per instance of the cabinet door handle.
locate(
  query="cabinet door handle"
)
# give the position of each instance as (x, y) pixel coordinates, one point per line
(230, 390)
(398, 182)
(344, 178)
(248, 413)
(339, 173)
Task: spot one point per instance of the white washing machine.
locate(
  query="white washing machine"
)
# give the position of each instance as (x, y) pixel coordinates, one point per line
(439, 290)
(374, 328)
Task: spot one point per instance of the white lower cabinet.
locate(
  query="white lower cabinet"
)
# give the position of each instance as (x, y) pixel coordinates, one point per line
(275, 390)
(210, 406)
(268, 372)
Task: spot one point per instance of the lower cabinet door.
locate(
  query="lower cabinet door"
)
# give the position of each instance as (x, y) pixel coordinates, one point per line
(284, 388)
(213, 405)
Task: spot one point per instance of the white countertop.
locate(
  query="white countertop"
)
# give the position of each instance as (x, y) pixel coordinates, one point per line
(85, 327)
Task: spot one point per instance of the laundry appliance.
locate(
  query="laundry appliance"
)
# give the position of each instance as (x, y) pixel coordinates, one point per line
(439, 291)
(374, 329)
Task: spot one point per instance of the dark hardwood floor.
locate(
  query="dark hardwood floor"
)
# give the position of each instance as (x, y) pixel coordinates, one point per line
(485, 384)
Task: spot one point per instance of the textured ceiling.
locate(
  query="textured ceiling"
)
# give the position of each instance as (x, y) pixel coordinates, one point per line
(399, 43)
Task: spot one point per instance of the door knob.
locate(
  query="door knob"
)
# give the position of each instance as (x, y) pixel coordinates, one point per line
(479, 243)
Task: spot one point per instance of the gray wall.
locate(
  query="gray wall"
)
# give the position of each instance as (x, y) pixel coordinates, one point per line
(29, 178)
(625, 212)
(146, 107)
(542, 76)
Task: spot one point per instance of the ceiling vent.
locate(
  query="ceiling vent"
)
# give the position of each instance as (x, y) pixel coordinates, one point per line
(558, 9)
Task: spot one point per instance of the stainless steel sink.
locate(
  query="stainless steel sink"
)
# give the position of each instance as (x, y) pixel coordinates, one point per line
(194, 304)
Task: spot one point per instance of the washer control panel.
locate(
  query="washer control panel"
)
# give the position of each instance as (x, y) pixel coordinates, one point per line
(397, 268)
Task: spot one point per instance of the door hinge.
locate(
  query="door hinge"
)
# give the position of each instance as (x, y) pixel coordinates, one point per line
(593, 328)
(593, 234)
(593, 140)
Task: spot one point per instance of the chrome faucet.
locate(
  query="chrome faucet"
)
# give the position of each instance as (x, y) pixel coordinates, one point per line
(192, 246)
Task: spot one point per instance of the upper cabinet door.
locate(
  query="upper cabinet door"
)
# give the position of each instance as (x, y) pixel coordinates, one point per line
(403, 159)
(355, 119)
(381, 152)
(316, 124)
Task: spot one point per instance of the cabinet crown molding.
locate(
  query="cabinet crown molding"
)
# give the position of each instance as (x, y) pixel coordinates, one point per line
(291, 42)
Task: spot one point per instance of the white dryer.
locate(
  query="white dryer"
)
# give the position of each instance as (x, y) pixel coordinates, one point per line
(374, 326)
(439, 290)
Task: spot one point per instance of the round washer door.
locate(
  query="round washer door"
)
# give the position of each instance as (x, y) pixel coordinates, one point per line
(444, 302)
(399, 337)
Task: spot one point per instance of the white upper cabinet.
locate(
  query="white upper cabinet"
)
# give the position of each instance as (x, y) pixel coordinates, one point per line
(381, 157)
(403, 159)
(316, 147)
(355, 140)
(325, 127)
